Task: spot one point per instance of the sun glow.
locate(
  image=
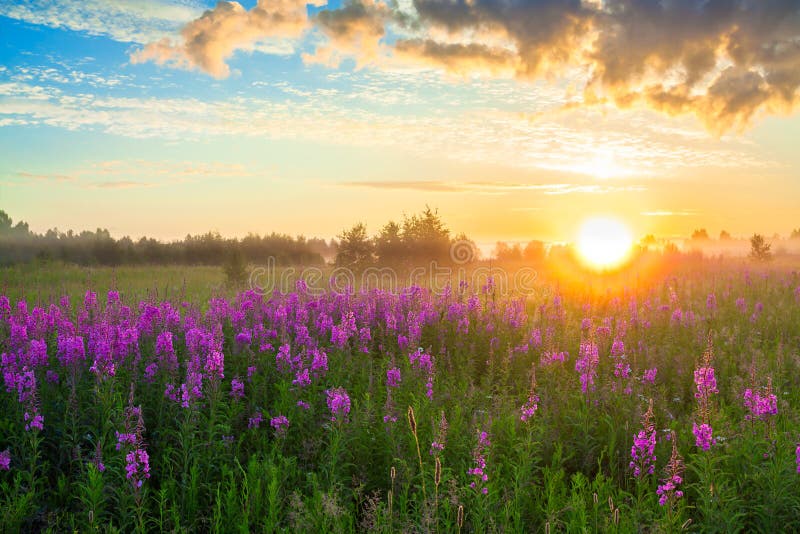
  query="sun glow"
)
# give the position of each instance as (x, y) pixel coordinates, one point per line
(604, 242)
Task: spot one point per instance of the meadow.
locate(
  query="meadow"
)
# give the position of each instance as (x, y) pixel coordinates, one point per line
(157, 400)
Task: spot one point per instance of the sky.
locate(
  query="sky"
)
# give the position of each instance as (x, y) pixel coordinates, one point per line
(515, 119)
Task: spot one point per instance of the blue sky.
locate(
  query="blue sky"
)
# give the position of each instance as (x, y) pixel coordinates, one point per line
(307, 128)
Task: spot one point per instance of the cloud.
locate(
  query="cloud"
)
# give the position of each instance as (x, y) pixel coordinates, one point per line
(207, 42)
(669, 213)
(137, 173)
(497, 188)
(27, 176)
(140, 21)
(354, 30)
(725, 61)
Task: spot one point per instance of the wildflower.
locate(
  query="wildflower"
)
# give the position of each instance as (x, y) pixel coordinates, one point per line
(303, 404)
(797, 457)
(528, 410)
(215, 365)
(5, 460)
(137, 461)
(586, 365)
(760, 406)
(549, 357)
(137, 466)
(338, 403)
(302, 378)
(393, 377)
(33, 421)
(319, 363)
(479, 460)
(706, 385)
(668, 491)
(649, 375)
(279, 424)
(705, 381)
(437, 445)
(643, 458)
(255, 421)
(244, 338)
(711, 302)
(703, 435)
(237, 388)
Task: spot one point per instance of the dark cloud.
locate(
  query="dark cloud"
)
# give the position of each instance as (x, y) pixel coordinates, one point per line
(353, 30)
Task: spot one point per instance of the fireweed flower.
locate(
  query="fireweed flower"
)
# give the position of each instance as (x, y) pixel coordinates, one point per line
(5, 460)
(237, 388)
(643, 458)
(302, 379)
(706, 385)
(437, 445)
(131, 441)
(393, 377)
(649, 375)
(137, 467)
(586, 365)
(552, 356)
(711, 302)
(668, 491)
(319, 363)
(478, 472)
(797, 457)
(215, 365)
(760, 406)
(528, 410)
(703, 435)
(279, 424)
(255, 421)
(338, 403)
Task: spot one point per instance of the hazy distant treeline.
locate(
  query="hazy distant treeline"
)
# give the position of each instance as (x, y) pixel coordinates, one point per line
(19, 245)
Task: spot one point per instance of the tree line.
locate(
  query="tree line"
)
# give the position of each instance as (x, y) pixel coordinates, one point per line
(18, 244)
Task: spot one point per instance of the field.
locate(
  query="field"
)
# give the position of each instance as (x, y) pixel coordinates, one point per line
(156, 400)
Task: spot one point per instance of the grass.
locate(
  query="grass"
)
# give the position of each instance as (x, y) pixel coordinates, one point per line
(219, 461)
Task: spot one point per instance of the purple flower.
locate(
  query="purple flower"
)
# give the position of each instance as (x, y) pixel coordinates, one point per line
(649, 375)
(479, 461)
(137, 466)
(279, 424)
(705, 381)
(643, 458)
(760, 406)
(215, 365)
(33, 422)
(255, 421)
(796, 457)
(237, 388)
(528, 409)
(586, 365)
(5, 459)
(338, 403)
(668, 491)
(302, 378)
(244, 338)
(393, 377)
(703, 436)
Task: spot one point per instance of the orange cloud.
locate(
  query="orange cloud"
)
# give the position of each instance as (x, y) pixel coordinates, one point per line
(207, 42)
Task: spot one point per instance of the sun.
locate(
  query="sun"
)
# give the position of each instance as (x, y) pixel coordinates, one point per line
(604, 242)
